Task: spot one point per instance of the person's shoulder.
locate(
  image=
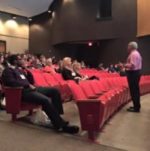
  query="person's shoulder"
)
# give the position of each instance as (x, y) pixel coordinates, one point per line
(8, 69)
(138, 53)
(135, 53)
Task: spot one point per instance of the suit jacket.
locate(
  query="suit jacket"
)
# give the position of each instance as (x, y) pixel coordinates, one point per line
(13, 77)
(67, 74)
(70, 75)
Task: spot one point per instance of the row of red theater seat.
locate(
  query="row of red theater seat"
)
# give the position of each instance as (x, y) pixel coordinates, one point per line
(98, 100)
(111, 93)
(100, 74)
(44, 79)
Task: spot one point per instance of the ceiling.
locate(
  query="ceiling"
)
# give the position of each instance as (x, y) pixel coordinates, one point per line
(27, 8)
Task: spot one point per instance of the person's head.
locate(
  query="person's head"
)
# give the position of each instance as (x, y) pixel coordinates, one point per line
(43, 59)
(29, 60)
(132, 46)
(101, 65)
(13, 60)
(111, 65)
(76, 66)
(67, 62)
(37, 61)
(22, 63)
(74, 61)
(49, 62)
(60, 64)
(24, 57)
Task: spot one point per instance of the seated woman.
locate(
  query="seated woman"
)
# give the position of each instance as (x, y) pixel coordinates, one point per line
(71, 72)
(67, 70)
(77, 67)
(59, 66)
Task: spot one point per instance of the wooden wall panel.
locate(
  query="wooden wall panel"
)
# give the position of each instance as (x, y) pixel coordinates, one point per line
(143, 13)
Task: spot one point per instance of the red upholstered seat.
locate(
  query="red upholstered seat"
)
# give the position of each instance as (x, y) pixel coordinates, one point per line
(97, 100)
(93, 112)
(39, 79)
(87, 90)
(50, 79)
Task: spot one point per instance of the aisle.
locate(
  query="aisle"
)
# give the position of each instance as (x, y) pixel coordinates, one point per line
(129, 131)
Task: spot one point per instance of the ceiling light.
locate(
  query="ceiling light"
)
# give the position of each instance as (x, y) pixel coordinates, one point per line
(14, 17)
(30, 19)
(90, 44)
(49, 11)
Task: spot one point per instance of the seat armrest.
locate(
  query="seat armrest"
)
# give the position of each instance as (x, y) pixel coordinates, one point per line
(13, 99)
(88, 100)
(14, 88)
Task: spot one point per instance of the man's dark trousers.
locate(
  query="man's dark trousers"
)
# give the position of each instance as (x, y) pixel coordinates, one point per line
(133, 82)
(50, 100)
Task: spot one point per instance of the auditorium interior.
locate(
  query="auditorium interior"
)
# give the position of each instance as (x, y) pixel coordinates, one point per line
(74, 75)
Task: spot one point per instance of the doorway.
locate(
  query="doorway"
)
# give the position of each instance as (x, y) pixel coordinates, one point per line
(2, 46)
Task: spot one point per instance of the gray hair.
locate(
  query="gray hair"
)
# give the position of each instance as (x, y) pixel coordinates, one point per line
(133, 44)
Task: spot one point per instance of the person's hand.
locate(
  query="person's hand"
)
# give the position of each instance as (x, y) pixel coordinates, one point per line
(86, 77)
(128, 66)
(32, 87)
(77, 78)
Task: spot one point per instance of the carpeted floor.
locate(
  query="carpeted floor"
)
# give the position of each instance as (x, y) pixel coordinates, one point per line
(127, 131)
(24, 137)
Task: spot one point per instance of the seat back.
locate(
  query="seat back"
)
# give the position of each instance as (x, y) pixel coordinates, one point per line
(39, 79)
(76, 90)
(58, 77)
(50, 79)
(87, 89)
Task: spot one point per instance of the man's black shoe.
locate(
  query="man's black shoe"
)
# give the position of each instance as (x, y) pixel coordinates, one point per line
(131, 107)
(70, 129)
(133, 110)
(2, 107)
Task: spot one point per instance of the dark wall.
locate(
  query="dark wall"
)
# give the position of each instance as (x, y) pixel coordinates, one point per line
(144, 48)
(40, 34)
(76, 21)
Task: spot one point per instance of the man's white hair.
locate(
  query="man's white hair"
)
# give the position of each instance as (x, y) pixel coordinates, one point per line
(133, 44)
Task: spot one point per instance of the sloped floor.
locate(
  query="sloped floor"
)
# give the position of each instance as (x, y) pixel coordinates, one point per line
(25, 137)
(127, 131)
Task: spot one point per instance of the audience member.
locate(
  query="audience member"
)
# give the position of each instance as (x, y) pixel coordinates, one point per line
(49, 66)
(77, 67)
(67, 70)
(111, 69)
(48, 98)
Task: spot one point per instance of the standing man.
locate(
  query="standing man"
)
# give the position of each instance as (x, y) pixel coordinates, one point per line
(133, 69)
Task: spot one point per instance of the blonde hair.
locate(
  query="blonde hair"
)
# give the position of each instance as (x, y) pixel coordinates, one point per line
(65, 61)
(49, 61)
(76, 65)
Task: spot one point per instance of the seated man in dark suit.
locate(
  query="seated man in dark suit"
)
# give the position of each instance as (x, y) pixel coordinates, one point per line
(48, 98)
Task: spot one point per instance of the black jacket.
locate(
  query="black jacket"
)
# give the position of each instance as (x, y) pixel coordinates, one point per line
(14, 78)
(69, 75)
